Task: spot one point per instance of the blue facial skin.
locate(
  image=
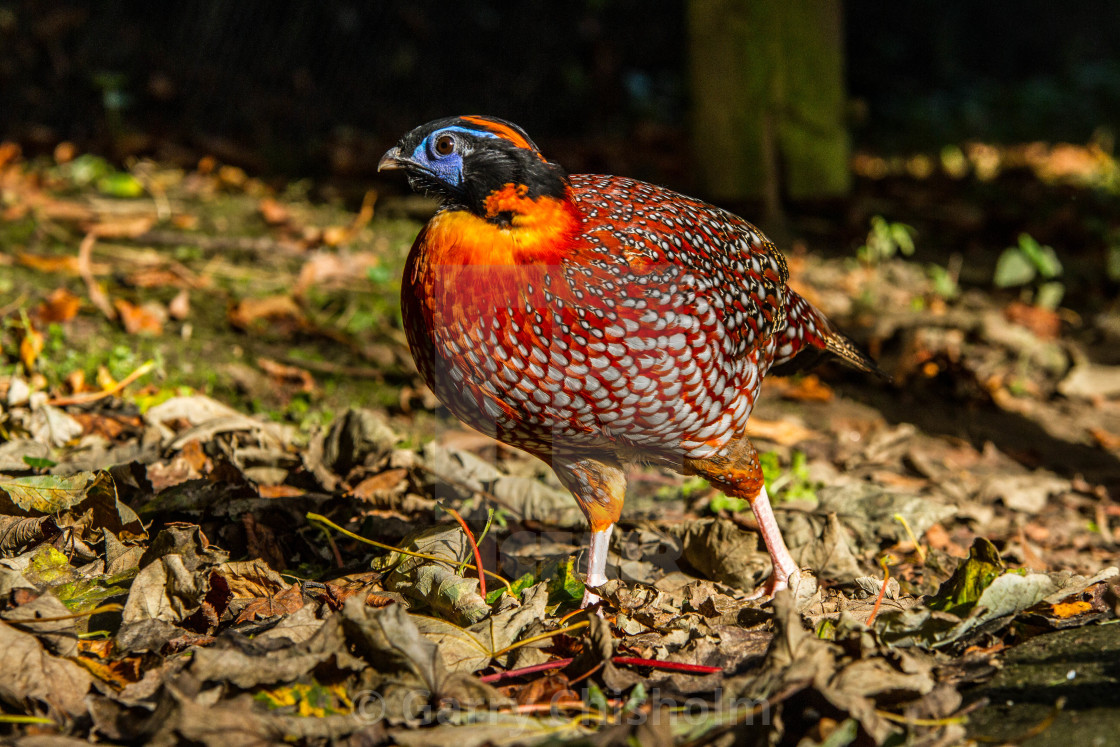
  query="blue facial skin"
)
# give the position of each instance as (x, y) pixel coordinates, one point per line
(448, 169)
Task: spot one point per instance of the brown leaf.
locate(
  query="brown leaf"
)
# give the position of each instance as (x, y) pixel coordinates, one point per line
(274, 212)
(31, 674)
(1045, 323)
(286, 602)
(146, 319)
(123, 227)
(117, 672)
(61, 306)
(808, 388)
(784, 432)
(382, 487)
(271, 309)
(67, 264)
(111, 427)
(154, 277)
(286, 375)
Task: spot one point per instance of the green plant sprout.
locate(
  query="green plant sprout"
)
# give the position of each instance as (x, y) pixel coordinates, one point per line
(885, 240)
(1031, 264)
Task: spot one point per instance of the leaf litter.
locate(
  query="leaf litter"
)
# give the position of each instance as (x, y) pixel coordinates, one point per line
(175, 569)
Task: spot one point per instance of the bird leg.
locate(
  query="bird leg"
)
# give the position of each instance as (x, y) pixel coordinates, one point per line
(599, 486)
(597, 564)
(738, 473)
(785, 568)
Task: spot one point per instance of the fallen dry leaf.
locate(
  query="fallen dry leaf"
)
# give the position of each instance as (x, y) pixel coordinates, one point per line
(275, 213)
(287, 375)
(268, 309)
(61, 306)
(30, 347)
(147, 319)
(1043, 322)
(67, 264)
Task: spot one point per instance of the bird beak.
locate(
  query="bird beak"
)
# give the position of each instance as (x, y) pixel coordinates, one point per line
(392, 160)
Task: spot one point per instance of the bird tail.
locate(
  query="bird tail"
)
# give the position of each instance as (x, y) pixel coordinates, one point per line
(808, 335)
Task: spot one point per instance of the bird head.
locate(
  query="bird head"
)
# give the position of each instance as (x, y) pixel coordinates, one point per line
(465, 160)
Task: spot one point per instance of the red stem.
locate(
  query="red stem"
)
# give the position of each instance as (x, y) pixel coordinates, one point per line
(474, 548)
(633, 661)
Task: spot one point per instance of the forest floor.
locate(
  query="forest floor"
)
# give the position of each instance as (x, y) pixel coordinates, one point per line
(230, 513)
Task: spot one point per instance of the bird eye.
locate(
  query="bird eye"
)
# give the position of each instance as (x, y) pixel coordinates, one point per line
(445, 145)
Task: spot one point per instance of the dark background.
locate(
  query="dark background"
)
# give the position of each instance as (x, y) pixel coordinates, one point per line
(299, 88)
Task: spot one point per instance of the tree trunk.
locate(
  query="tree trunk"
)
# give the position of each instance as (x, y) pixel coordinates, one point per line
(768, 99)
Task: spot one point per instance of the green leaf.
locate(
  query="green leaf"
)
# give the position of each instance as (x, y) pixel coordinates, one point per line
(596, 699)
(638, 696)
(48, 494)
(1013, 268)
(943, 283)
(843, 735)
(517, 586)
(1044, 258)
(903, 237)
(87, 168)
(564, 585)
(38, 462)
(964, 588)
(120, 184)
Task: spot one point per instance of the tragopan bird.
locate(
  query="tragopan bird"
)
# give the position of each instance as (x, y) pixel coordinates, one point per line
(594, 321)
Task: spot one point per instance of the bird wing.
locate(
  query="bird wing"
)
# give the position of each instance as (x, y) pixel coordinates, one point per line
(707, 255)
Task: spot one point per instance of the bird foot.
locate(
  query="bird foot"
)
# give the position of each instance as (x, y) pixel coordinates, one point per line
(591, 599)
(776, 583)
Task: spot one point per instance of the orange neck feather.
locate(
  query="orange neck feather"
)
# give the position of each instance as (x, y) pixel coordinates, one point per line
(538, 232)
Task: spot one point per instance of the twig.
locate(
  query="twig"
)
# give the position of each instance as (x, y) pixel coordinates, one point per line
(667, 666)
(882, 590)
(114, 607)
(334, 548)
(533, 669)
(541, 637)
(85, 399)
(85, 270)
(11, 718)
(910, 533)
(474, 548)
(921, 721)
(588, 673)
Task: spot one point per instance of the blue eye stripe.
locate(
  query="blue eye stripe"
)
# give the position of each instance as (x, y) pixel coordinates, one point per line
(427, 144)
